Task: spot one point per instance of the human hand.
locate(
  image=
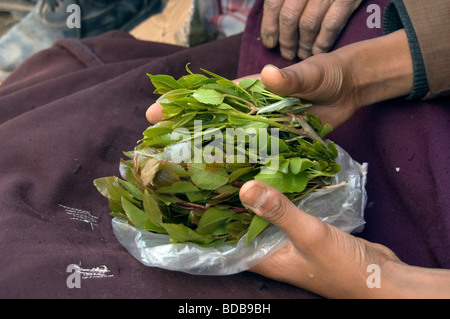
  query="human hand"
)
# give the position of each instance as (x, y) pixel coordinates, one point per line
(340, 82)
(304, 27)
(319, 257)
(332, 263)
(324, 79)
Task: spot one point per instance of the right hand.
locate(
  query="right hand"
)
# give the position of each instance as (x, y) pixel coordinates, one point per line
(342, 81)
(323, 79)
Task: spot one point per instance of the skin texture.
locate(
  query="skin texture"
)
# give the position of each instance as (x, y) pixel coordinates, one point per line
(304, 27)
(321, 258)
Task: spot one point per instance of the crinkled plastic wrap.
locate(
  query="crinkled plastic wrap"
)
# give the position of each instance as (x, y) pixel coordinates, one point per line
(342, 206)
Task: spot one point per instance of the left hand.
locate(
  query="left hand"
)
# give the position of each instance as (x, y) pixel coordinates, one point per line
(304, 27)
(320, 257)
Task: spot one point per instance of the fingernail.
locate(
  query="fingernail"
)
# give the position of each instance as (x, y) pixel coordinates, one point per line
(277, 68)
(269, 41)
(303, 54)
(288, 54)
(254, 197)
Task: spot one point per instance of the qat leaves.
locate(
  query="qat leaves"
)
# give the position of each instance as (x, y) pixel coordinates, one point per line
(212, 219)
(257, 226)
(199, 202)
(208, 177)
(206, 96)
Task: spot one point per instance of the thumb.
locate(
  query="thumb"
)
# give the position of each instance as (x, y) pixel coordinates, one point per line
(270, 204)
(302, 80)
(154, 113)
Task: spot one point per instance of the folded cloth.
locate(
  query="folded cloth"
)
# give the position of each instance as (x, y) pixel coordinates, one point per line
(61, 127)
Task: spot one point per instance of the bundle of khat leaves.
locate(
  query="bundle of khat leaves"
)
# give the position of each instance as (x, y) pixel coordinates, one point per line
(183, 177)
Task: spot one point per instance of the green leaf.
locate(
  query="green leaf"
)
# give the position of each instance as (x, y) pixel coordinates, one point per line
(174, 167)
(295, 183)
(208, 96)
(101, 185)
(285, 183)
(212, 219)
(157, 130)
(149, 226)
(236, 229)
(298, 164)
(136, 192)
(247, 83)
(162, 140)
(180, 233)
(151, 209)
(227, 189)
(272, 178)
(192, 80)
(164, 177)
(326, 129)
(178, 187)
(171, 110)
(164, 83)
(136, 216)
(332, 150)
(239, 172)
(111, 189)
(207, 177)
(126, 169)
(174, 95)
(257, 226)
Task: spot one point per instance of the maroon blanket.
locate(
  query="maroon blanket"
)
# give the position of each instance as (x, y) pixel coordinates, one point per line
(68, 112)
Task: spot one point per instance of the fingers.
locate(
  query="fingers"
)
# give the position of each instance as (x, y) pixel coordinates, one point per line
(309, 25)
(304, 27)
(154, 113)
(265, 201)
(290, 15)
(269, 24)
(332, 25)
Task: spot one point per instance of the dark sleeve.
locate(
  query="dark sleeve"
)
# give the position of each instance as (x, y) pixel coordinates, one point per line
(427, 25)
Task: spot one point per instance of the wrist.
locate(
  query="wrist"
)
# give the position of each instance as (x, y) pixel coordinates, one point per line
(399, 280)
(380, 68)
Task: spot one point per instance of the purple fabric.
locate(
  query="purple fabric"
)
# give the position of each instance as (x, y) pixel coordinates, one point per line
(254, 55)
(408, 150)
(68, 112)
(66, 116)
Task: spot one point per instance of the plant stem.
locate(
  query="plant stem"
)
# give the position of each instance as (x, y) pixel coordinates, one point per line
(309, 130)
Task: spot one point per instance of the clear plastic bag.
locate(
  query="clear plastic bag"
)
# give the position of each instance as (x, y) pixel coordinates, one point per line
(342, 206)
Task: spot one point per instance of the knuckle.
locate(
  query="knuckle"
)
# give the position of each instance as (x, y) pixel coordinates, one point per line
(276, 209)
(288, 18)
(272, 5)
(332, 24)
(349, 4)
(269, 29)
(308, 23)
